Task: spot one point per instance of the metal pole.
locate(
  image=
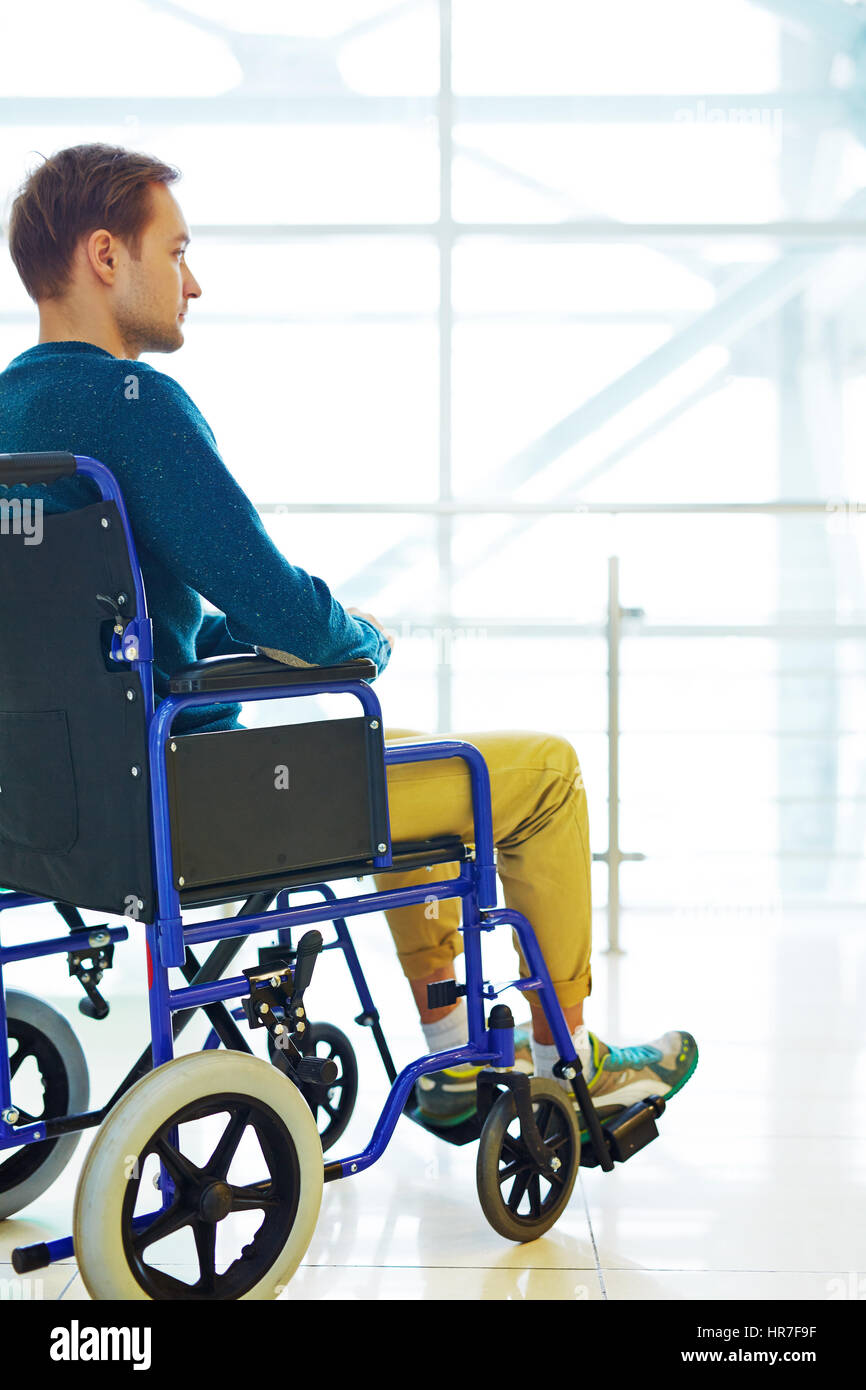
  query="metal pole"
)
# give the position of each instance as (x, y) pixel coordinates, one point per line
(614, 855)
(614, 623)
(445, 521)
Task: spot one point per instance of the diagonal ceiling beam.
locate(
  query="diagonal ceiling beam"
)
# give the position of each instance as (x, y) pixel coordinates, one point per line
(745, 306)
(842, 25)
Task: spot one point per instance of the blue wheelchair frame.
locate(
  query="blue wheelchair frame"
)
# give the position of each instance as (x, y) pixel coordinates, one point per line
(167, 938)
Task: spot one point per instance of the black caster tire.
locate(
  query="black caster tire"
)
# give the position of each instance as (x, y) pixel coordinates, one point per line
(49, 1079)
(333, 1105)
(519, 1201)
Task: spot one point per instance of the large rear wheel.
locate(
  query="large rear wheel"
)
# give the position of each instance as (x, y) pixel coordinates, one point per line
(49, 1079)
(235, 1153)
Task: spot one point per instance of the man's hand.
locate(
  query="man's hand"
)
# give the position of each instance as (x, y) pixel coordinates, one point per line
(357, 613)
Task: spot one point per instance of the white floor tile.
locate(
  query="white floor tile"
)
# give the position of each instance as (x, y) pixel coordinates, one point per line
(752, 1191)
(393, 1219)
(719, 1202)
(416, 1284)
(399, 1283)
(714, 1285)
(75, 1292)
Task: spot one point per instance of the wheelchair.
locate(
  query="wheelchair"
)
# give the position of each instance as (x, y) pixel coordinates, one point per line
(105, 806)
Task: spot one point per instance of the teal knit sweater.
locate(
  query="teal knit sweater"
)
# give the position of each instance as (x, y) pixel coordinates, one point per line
(195, 530)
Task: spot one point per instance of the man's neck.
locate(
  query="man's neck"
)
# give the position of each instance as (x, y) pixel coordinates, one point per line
(57, 325)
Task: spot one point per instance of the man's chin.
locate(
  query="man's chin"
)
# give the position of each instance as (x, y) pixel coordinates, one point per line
(165, 342)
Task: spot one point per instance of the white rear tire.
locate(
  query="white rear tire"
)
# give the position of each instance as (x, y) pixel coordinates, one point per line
(43, 1039)
(108, 1248)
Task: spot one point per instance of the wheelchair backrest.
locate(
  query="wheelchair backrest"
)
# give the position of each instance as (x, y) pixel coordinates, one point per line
(74, 796)
(84, 818)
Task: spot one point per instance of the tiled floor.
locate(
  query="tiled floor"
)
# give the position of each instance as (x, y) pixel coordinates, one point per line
(755, 1188)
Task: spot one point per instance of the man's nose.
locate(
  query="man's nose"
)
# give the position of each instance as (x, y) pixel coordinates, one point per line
(191, 288)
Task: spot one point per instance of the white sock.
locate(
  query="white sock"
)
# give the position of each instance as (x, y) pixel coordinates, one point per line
(545, 1054)
(450, 1031)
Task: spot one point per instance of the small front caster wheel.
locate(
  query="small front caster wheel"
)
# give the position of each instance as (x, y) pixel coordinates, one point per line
(520, 1200)
(332, 1104)
(239, 1164)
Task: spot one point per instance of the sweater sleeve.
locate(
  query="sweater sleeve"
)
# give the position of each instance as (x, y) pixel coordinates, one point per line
(192, 515)
(213, 638)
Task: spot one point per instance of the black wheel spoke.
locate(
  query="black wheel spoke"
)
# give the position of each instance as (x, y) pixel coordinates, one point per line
(542, 1118)
(259, 1196)
(174, 1219)
(515, 1148)
(518, 1191)
(205, 1244)
(16, 1061)
(557, 1141)
(179, 1166)
(220, 1160)
(508, 1171)
(535, 1195)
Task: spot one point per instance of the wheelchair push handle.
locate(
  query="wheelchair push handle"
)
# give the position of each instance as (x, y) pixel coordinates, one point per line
(36, 468)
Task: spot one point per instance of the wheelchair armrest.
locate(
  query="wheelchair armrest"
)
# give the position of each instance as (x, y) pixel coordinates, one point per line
(240, 672)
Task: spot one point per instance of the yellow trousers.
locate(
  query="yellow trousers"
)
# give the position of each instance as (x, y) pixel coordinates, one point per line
(541, 834)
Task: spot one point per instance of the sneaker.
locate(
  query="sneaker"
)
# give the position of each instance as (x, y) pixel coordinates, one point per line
(446, 1098)
(616, 1077)
(619, 1076)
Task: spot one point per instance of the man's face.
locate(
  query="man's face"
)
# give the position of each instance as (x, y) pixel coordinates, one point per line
(151, 295)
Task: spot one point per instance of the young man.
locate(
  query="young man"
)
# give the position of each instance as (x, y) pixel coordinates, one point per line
(100, 244)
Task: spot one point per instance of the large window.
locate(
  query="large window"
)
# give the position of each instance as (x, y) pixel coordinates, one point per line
(463, 256)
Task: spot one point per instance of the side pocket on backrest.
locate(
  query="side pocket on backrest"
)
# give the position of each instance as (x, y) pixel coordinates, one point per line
(38, 801)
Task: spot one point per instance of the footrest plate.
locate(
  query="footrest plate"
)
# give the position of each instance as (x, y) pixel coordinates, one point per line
(464, 1133)
(626, 1132)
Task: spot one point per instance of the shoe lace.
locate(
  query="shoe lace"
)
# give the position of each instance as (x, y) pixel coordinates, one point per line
(633, 1056)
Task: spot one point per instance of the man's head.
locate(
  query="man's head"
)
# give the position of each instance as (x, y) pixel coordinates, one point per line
(99, 241)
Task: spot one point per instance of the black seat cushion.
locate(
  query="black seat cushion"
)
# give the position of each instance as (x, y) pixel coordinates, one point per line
(407, 854)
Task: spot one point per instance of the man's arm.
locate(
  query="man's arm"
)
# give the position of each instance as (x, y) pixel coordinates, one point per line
(192, 515)
(214, 639)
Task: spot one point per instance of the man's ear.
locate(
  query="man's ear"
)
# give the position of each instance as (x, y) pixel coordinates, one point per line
(100, 251)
